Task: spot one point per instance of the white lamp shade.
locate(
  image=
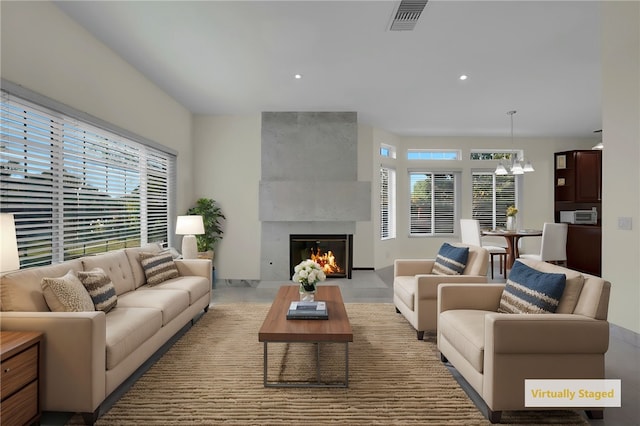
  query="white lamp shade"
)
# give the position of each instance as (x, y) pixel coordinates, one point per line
(189, 225)
(9, 260)
(501, 170)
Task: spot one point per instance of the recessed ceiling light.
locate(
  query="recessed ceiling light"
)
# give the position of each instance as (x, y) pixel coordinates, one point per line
(463, 77)
(298, 76)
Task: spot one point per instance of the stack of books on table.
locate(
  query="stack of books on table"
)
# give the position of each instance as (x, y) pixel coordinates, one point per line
(308, 310)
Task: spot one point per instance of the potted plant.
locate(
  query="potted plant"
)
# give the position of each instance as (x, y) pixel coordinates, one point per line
(211, 215)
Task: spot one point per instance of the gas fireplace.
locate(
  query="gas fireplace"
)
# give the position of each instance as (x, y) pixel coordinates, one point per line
(333, 253)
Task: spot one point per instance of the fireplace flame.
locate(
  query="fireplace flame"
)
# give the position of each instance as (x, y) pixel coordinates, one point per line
(327, 261)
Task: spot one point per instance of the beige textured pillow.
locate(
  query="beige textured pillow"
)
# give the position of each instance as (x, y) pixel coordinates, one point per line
(158, 267)
(100, 288)
(66, 294)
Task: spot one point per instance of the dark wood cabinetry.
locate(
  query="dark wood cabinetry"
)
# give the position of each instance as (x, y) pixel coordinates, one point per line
(578, 186)
(584, 248)
(20, 368)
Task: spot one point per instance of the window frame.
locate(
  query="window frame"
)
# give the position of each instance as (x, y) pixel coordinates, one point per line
(435, 224)
(434, 153)
(498, 209)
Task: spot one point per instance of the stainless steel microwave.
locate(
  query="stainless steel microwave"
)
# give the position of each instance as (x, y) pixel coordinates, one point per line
(581, 217)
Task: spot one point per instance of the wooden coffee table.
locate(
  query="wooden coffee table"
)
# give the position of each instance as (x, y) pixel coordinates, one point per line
(278, 329)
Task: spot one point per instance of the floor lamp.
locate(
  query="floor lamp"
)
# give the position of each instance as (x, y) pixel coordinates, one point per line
(189, 227)
(9, 260)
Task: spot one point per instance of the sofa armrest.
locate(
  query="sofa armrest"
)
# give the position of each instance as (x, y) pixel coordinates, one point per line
(198, 267)
(74, 356)
(545, 334)
(428, 284)
(483, 297)
(411, 267)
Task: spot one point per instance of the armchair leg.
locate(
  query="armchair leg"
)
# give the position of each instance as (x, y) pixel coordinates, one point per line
(595, 414)
(443, 358)
(420, 335)
(494, 416)
(397, 311)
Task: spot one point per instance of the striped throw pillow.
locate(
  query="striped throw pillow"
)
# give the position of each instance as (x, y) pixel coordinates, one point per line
(158, 267)
(529, 291)
(450, 260)
(100, 288)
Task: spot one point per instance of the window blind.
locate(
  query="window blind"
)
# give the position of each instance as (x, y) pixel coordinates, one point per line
(433, 203)
(77, 189)
(492, 194)
(387, 203)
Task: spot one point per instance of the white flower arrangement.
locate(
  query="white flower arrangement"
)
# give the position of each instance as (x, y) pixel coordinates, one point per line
(308, 273)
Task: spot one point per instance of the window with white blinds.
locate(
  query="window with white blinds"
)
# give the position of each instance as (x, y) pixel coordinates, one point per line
(433, 203)
(77, 189)
(492, 194)
(387, 203)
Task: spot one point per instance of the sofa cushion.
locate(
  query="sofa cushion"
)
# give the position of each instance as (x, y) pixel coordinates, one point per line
(66, 294)
(100, 288)
(464, 329)
(170, 302)
(127, 329)
(158, 267)
(196, 286)
(572, 289)
(133, 254)
(529, 291)
(21, 290)
(450, 260)
(405, 289)
(116, 265)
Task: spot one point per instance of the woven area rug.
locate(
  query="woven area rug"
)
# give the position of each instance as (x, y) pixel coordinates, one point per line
(214, 374)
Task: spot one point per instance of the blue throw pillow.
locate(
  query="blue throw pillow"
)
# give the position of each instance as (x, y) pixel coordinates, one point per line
(450, 260)
(529, 291)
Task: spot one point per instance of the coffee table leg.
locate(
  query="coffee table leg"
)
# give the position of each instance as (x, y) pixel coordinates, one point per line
(318, 362)
(346, 364)
(264, 361)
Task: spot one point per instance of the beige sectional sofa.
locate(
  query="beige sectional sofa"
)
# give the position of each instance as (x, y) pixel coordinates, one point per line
(87, 355)
(496, 352)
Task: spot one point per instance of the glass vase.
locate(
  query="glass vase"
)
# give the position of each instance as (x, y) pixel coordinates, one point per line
(306, 295)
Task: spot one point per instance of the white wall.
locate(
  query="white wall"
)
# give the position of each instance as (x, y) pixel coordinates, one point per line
(227, 165)
(363, 239)
(45, 51)
(620, 158)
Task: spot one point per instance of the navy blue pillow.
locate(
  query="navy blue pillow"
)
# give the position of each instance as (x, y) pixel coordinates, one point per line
(529, 291)
(450, 260)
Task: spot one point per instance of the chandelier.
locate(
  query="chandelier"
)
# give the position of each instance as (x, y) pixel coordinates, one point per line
(516, 167)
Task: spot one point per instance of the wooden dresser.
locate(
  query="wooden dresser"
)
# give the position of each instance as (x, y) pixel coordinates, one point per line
(20, 380)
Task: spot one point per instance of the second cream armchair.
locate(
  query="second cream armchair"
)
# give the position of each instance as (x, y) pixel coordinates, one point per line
(415, 287)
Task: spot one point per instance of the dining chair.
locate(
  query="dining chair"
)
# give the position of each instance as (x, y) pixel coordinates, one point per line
(553, 247)
(470, 234)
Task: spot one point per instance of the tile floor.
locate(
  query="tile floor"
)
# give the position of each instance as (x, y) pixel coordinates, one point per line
(622, 361)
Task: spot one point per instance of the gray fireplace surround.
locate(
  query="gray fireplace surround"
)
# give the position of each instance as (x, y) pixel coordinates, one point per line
(309, 182)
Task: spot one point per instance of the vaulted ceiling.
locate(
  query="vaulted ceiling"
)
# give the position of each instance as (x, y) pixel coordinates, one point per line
(541, 58)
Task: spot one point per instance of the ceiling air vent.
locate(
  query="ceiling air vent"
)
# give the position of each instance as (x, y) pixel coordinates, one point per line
(407, 15)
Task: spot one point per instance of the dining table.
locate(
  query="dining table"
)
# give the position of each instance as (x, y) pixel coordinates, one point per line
(512, 238)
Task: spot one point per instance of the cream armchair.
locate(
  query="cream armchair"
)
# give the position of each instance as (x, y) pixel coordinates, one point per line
(496, 352)
(415, 288)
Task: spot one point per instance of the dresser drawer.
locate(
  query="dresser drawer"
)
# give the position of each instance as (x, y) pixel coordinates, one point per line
(20, 407)
(19, 370)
